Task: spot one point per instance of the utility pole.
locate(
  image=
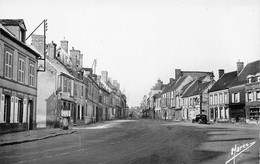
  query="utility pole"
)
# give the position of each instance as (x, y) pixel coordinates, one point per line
(44, 44)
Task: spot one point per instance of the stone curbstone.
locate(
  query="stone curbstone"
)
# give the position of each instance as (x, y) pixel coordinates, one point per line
(35, 139)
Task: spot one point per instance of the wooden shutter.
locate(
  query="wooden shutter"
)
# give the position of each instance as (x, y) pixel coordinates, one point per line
(24, 110)
(2, 105)
(15, 114)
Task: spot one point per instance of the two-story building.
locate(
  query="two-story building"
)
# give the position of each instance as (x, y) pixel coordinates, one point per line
(18, 78)
(252, 91)
(219, 97)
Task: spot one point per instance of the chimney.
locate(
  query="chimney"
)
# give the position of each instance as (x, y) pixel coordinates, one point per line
(38, 43)
(104, 75)
(64, 45)
(177, 73)
(52, 50)
(220, 73)
(240, 66)
(74, 55)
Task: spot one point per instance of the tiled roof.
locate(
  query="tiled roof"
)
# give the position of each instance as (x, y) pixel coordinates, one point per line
(185, 87)
(201, 87)
(177, 83)
(167, 88)
(250, 69)
(58, 66)
(196, 88)
(224, 81)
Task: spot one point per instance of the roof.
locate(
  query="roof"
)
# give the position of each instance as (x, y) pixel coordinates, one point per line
(168, 87)
(185, 87)
(196, 88)
(13, 22)
(224, 81)
(250, 69)
(177, 83)
(58, 66)
(14, 39)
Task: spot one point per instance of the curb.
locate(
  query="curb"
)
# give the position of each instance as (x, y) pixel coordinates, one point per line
(35, 139)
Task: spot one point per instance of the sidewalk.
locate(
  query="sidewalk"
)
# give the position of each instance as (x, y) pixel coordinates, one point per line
(31, 135)
(41, 134)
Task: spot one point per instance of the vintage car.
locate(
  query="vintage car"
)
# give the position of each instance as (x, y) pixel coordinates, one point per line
(200, 118)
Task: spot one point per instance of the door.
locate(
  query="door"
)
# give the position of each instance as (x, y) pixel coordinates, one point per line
(30, 109)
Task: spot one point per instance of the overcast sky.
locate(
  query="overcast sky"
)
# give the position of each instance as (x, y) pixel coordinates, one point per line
(139, 41)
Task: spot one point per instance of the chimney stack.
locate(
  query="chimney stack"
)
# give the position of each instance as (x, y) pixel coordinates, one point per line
(220, 73)
(104, 76)
(64, 45)
(52, 50)
(177, 74)
(38, 43)
(240, 66)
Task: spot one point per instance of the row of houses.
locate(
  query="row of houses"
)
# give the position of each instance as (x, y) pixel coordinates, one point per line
(31, 98)
(235, 96)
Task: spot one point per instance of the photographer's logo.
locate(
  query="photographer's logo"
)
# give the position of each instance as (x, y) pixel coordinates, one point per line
(237, 150)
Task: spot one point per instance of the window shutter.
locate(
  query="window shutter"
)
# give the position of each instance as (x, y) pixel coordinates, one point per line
(12, 109)
(16, 110)
(24, 110)
(238, 97)
(254, 96)
(233, 98)
(246, 96)
(2, 104)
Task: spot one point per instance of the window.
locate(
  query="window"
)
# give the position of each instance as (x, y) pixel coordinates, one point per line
(31, 74)
(86, 92)
(225, 98)
(65, 84)
(250, 96)
(8, 65)
(235, 97)
(254, 113)
(249, 80)
(211, 99)
(82, 91)
(221, 98)
(69, 86)
(215, 99)
(258, 95)
(258, 78)
(21, 64)
(75, 89)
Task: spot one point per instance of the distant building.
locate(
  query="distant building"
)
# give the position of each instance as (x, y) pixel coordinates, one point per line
(18, 78)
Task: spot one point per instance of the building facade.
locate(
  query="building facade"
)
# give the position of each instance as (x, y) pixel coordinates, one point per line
(18, 78)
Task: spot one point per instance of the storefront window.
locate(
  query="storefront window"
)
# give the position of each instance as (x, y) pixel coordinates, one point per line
(254, 113)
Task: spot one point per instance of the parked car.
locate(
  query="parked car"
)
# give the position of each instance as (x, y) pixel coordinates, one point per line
(200, 118)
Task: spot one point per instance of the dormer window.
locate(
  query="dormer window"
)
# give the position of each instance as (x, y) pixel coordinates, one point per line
(250, 78)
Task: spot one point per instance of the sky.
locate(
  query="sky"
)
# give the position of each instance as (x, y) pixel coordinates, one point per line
(140, 41)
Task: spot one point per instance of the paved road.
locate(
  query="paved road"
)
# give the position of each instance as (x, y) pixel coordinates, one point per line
(138, 142)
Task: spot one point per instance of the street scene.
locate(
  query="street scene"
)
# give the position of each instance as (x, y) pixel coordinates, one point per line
(140, 141)
(130, 81)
